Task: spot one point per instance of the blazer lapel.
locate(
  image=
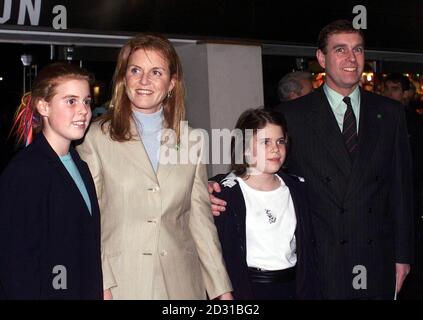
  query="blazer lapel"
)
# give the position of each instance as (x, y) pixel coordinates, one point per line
(54, 161)
(323, 121)
(240, 215)
(137, 151)
(294, 193)
(169, 158)
(368, 135)
(297, 200)
(87, 179)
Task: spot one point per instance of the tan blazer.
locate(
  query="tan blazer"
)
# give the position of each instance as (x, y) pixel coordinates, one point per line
(158, 236)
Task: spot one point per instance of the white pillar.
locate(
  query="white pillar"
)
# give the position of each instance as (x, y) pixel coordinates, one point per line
(222, 80)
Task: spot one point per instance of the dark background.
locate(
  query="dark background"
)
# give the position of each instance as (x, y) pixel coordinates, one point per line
(391, 24)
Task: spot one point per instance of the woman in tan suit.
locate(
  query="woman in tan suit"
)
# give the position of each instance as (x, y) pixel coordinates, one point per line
(158, 236)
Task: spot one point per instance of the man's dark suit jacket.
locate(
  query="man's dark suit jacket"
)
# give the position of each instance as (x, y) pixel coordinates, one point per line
(44, 223)
(361, 209)
(231, 229)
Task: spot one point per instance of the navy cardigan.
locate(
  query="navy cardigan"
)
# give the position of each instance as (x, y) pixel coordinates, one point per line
(232, 234)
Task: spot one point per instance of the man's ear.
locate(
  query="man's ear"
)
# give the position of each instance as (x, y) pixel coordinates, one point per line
(321, 58)
(43, 108)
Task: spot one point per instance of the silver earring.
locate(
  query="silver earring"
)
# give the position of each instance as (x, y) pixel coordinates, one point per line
(169, 94)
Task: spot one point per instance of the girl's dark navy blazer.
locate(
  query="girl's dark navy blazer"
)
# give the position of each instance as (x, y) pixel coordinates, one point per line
(49, 242)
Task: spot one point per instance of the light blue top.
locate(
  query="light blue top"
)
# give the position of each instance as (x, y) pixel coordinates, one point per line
(339, 107)
(149, 127)
(76, 176)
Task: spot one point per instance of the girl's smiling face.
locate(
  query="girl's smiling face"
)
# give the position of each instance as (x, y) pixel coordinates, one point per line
(67, 115)
(267, 150)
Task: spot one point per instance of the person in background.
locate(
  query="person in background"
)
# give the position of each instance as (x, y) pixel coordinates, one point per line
(294, 85)
(398, 87)
(49, 215)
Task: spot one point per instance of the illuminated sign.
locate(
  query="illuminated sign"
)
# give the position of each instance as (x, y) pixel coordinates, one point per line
(30, 12)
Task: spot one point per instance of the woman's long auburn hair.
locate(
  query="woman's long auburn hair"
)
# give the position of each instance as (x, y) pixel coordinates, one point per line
(118, 118)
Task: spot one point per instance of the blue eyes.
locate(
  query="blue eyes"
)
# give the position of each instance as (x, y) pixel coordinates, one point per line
(280, 142)
(153, 73)
(134, 70)
(74, 101)
(355, 50)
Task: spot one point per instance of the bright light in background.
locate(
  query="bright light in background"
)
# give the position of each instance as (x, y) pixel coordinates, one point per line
(96, 90)
(368, 76)
(1, 78)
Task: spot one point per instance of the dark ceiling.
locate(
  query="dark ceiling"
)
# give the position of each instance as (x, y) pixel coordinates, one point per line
(391, 24)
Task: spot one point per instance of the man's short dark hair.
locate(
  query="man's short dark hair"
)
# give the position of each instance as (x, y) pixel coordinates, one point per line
(338, 26)
(399, 78)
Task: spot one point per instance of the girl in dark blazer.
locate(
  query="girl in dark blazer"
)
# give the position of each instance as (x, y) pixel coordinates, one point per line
(265, 231)
(49, 216)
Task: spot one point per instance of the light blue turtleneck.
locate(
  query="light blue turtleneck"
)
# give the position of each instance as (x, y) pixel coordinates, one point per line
(149, 127)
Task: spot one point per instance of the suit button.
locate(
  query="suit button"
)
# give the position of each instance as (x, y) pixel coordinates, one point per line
(377, 178)
(370, 210)
(342, 211)
(163, 253)
(328, 179)
(370, 241)
(242, 248)
(153, 189)
(343, 241)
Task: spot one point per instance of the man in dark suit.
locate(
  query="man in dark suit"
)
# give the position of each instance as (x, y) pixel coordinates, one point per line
(352, 149)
